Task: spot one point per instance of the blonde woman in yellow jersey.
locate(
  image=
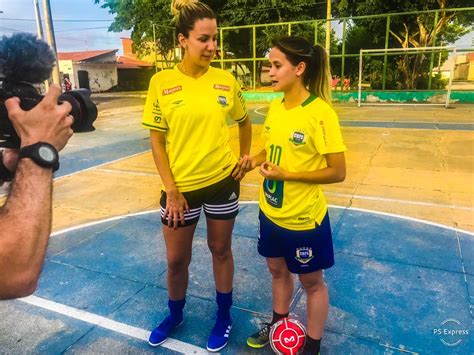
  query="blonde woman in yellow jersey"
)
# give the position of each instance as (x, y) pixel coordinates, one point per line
(186, 111)
(303, 149)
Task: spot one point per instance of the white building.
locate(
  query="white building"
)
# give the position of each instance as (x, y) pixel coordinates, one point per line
(93, 70)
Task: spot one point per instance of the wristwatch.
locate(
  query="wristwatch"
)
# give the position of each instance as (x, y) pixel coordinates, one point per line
(43, 154)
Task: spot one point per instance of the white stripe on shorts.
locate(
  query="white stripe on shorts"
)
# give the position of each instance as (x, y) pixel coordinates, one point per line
(194, 212)
(215, 209)
(218, 208)
(233, 203)
(191, 210)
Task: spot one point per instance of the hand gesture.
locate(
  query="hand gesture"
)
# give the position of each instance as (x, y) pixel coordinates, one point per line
(243, 166)
(271, 171)
(176, 204)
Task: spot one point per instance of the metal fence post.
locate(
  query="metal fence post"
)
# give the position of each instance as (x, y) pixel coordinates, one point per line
(451, 76)
(432, 54)
(343, 47)
(384, 74)
(359, 101)
(254, 41)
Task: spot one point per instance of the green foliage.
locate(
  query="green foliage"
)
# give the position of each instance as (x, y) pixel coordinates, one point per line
(417, 30)
(407, 31)
(139, 16)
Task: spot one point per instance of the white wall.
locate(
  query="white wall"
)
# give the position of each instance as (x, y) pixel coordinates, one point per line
(101, 76)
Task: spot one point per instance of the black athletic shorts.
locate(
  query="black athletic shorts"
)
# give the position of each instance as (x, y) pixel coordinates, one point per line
(219, 201)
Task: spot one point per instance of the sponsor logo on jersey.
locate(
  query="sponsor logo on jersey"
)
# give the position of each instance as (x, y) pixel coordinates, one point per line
(177, 103)
(304, 255)
(156, 108)
(172, 90)
(221, 87)
(273, 191)
(222, 100)
(297, 138)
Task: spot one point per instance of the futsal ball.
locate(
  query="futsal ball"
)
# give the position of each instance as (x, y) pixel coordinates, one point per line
(287, 336)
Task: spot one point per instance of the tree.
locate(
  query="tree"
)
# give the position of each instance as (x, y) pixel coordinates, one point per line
(139, 15)
(250, 12)
(417, 30)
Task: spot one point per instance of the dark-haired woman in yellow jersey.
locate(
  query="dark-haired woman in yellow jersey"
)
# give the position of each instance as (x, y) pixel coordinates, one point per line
(186, 111)
(303, 149)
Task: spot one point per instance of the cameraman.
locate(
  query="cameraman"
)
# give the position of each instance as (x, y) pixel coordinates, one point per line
(25, 218)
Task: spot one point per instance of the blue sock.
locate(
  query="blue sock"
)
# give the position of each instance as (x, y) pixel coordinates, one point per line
(224, 302)
(176, 310)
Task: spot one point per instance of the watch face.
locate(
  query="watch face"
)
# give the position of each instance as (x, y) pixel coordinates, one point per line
(46, 153)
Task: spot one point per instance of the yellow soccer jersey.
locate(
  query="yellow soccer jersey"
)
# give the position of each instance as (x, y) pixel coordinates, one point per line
(296, 140)
(192, 113)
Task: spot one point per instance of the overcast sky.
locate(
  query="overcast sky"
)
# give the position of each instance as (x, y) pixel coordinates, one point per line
(72, 23)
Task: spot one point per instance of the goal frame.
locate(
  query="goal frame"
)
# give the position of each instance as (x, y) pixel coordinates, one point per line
(408, 50)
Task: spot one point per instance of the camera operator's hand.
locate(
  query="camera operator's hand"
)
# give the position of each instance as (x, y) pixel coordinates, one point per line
(46, 122)
(10, 158)
(9, 161)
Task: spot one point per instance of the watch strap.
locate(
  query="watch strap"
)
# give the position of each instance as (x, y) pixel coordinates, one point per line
(31, 151)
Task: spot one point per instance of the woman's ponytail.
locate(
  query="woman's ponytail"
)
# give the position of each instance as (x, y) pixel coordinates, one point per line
(317, 76)
(319, 82)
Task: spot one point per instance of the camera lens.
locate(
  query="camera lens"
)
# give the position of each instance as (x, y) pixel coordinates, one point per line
(83, 110)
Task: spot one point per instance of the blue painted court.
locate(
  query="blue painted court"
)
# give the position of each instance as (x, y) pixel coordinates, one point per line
(399, 285)
(394, 283)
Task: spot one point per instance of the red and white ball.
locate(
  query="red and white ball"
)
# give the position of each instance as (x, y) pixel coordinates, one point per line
(287, 336)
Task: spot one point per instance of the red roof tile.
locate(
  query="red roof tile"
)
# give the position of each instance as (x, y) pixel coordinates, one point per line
(126, 62)
(81, 56)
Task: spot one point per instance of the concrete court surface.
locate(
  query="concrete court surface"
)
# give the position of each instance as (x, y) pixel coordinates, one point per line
(402, 222)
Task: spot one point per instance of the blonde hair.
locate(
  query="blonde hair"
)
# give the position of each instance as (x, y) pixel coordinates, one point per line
(187, 12)
(317, 75)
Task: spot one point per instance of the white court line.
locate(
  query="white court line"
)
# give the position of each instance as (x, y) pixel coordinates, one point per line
(258, 112)
(389, 215)
(127, 172)
(106, 323)
(141, 333)
(255, 203)
(90, 224)
(92, 167)
(405, 217)
(386, 199)
(99, 165)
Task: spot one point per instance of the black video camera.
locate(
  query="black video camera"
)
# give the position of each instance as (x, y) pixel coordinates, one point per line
(25, 60)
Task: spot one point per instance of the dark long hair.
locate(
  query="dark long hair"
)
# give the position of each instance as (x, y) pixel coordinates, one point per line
(317, 75)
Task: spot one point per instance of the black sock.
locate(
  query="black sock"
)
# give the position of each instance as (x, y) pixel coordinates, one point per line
(311, 346)
(277, 317)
